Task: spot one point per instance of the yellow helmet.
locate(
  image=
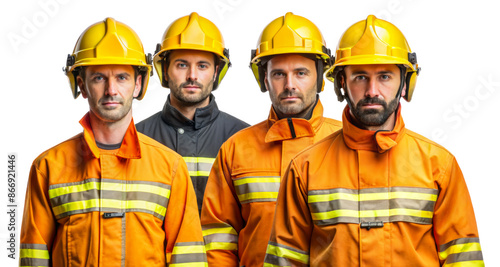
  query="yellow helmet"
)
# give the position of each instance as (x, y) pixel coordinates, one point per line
(290, 34)
(108, 43)
(192, 32)
(374, 41)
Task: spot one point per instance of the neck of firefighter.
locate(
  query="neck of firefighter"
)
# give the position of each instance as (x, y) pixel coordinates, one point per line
(188, 109)
(110, 133)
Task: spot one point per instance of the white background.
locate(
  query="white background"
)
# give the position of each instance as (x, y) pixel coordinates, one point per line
(456, 42)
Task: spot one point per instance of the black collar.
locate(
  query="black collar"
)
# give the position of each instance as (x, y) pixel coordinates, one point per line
(202, 116)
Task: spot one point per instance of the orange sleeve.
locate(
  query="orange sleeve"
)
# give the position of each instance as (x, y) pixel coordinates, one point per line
(184, 239)
(454, 222)
(292, 225)
(39, 225)
(220, 215)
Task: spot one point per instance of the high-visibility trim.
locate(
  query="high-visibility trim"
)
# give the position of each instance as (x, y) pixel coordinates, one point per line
(282, 253)
(257, 189)
(341, 205)
(221, 246)
(220, 236)
(108, 195)
(34, 255)
(189, 254)
(199, 166)
(462, 250)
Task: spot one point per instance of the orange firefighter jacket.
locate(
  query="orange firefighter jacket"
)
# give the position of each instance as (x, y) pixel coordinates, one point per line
(240, 197)
(134, 206)
(364, 198)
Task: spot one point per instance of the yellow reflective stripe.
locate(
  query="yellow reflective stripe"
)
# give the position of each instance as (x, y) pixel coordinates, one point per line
(224, 230)
(394, 195)
(257, 195)
(199, 173)
(34, 253)
(221, 245)
(202, 160)
(73, 189)
(370, 213)
(334, 214)
(476, 263)
(371, 196)
(110, 203)
(188, 249)
(109, 186)
(394, 212)
(136, 188)
(287, 253)
(256, 180)
(333, 196)
(459, 248)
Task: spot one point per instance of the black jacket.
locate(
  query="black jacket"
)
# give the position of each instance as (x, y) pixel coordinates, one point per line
(197, 141)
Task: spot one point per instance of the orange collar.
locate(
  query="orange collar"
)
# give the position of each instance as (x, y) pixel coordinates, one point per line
(281, 129)
(130, 147)
(381, 141)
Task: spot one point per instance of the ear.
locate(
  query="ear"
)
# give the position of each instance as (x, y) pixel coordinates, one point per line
(215, 72)
(138, 85)
(403, 93)
(266, 81)
(81, 85)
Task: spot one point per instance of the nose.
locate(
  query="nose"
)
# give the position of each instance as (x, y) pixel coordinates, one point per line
(372, 89)
(111, 87)
(192, 73)
(290, 83)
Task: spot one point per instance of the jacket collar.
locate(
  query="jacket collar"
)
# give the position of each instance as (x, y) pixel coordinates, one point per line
(289, 128)
(380, 141)
(202, 116)
(129, 149)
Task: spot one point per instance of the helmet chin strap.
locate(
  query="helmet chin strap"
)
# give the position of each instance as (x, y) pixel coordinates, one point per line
(402, 70)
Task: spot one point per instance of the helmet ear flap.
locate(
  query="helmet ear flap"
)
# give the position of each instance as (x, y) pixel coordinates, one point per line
(411, 81)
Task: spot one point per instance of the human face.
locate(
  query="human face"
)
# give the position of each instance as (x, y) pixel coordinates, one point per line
(110, 90)
(191, 74)
(372, 90)
(291, 80)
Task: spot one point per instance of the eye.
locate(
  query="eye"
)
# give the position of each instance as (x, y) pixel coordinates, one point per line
(203, 66)
(97, 78)
(301, 73)
(360, 78)
(182, 65)
(122, 77)
(385, 77)
(278, 74)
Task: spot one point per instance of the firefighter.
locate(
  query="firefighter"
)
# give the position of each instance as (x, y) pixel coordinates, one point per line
(192, 61)
(110, 196)
(375, 193)
(241, 193)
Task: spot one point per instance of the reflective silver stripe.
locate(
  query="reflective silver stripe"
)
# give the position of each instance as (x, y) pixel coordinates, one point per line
(199, 166)
(109, 195)
(459, 241)
(34, 255)
(220, 236)
(34, 262)
(257, 188)
(465, 256)
(341, 205)
(189, 252)
(279, 254)
(462, 250)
